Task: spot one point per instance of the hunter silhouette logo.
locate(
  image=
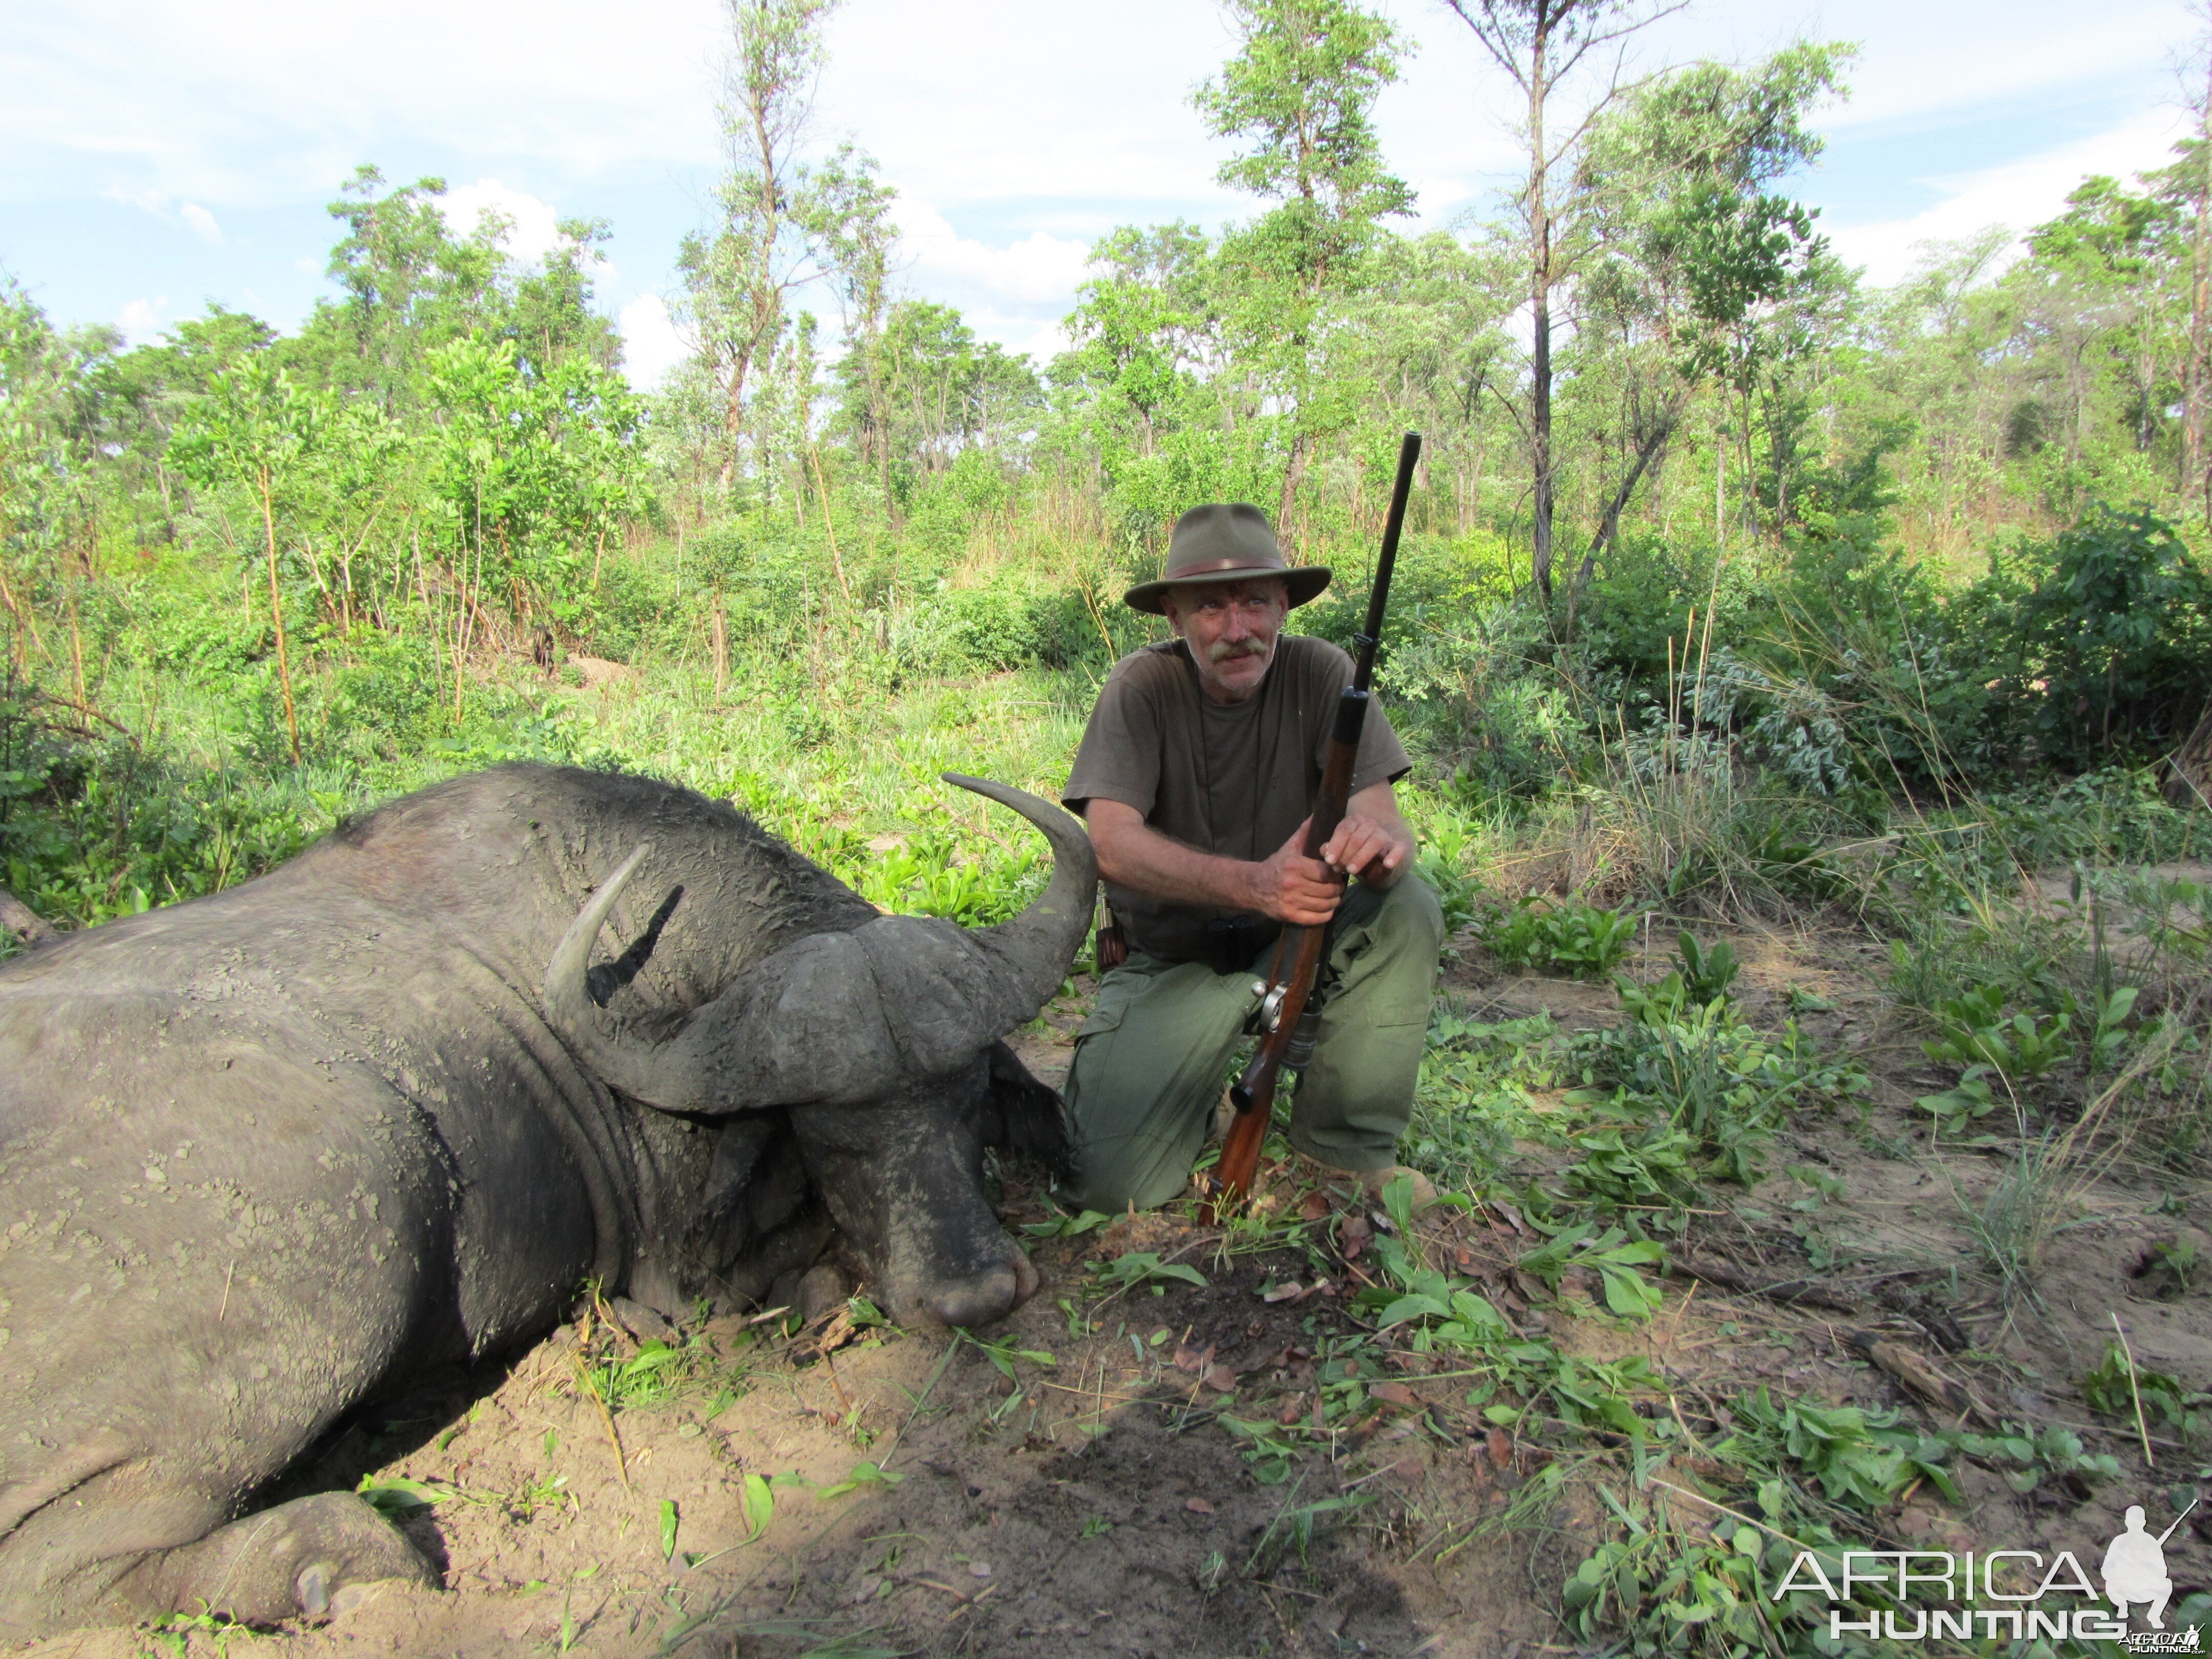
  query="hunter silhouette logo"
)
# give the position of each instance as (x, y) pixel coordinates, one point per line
(2134, 1567)
(2015, 1594)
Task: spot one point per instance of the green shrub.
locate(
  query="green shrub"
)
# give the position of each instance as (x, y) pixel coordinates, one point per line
(1704, 1072)
(1580, 940)
(1445, 861)
(2114, 640)
(1860, 1460)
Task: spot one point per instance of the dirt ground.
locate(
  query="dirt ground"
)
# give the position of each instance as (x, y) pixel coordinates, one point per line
(1095, 1505)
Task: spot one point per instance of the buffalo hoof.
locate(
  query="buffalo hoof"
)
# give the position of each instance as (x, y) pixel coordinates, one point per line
(306, 1558)
(981, 1299)
(821, 1289)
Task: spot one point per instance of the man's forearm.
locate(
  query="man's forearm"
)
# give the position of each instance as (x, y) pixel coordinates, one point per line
(1140, 856)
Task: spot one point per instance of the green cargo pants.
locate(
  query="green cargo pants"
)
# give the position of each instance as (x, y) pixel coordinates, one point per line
(1153, 1058)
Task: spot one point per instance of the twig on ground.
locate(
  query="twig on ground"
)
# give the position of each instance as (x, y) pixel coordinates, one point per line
(606, 1417)
(2142, 1429)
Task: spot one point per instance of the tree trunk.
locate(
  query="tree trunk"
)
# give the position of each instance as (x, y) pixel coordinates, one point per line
(1610, 524)
(276, 614)
(829, 528)
(1286, 503)
(1720, 488)
(721, 649)
(2195, 368)
(1539, 320)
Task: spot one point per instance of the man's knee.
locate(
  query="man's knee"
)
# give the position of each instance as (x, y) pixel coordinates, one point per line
(1411, 917)
(1111, 1187)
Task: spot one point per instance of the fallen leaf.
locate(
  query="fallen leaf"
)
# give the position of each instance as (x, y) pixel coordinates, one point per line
(1501, 1450)
(1315, 1206)
(1293, 1408)
(1282, 1292)
(1193, 1360)
(1396, 1394)
(979, 1569)
(1353, 1238)
(1221, 1378)
(1199, 1506)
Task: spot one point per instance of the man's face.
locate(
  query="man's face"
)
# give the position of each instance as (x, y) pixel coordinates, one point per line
(1230, 629)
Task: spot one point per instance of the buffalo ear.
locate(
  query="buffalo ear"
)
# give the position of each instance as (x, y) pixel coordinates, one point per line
(1026, 1117)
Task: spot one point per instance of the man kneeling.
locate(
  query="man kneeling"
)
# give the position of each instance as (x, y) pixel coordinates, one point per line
(1196, 775)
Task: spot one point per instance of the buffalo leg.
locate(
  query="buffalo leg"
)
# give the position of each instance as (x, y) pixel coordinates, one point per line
(280, 1563)
(110, 1550)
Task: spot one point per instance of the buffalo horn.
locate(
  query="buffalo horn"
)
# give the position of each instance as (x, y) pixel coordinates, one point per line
(842, 1018)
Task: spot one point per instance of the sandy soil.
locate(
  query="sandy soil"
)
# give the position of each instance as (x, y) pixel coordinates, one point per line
(1095, 1506)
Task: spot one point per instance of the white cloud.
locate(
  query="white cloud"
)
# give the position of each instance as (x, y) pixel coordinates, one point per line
(1034, 128)
(1962, 56)
(2019, 195)
(1039, 266)
(651, 344)
(142, 319)
(256, 102)
(1071, 107)
(534, 227)
(155, 202)
(191, 215)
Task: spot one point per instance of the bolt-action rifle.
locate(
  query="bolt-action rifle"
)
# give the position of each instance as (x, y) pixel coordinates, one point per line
(1290, 1012)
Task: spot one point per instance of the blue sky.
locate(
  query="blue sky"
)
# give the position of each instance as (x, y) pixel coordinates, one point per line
(156, 157)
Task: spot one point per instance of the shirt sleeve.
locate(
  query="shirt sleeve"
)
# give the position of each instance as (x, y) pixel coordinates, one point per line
(1119, 757)
(1383, 758)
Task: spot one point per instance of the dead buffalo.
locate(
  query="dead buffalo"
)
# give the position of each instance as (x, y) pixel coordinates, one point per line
(265, 1156)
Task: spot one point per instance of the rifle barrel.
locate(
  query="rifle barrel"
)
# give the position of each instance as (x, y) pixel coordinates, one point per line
(2178, 1520)
(1409, 451)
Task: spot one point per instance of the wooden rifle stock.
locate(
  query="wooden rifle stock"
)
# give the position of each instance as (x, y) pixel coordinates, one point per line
(1300, 953)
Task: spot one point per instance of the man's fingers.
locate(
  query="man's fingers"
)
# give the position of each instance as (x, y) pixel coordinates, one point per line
(1354, 852)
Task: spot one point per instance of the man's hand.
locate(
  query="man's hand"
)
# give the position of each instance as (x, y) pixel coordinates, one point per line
(1372, 841)
(1293, 888)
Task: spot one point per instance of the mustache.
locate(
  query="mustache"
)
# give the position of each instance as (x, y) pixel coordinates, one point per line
(1225, 651)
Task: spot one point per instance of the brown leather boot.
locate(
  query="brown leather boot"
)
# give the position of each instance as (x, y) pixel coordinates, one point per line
(1371, 1182)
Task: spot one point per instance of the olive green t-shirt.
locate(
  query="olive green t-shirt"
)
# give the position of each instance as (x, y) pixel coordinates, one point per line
(1229, 779)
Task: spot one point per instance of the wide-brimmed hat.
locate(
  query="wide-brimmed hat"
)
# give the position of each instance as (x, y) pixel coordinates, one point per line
(1226, 542)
